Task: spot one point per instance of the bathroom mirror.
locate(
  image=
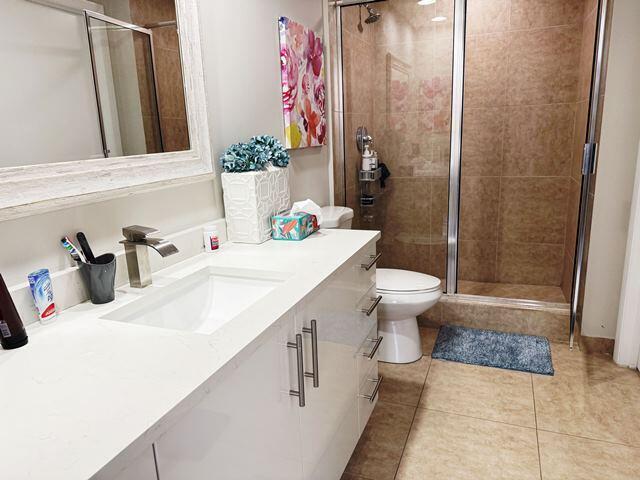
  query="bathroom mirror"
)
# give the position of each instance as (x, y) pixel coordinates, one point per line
(106, 96)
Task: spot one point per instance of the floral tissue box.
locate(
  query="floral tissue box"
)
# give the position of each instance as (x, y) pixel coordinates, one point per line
(293, 226)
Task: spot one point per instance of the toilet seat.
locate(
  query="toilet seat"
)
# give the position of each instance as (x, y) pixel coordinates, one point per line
(404, 282)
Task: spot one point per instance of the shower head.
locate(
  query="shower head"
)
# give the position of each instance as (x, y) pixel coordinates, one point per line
(374, 15)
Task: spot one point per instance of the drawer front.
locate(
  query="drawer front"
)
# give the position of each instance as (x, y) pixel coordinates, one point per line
(355, 276)
(368, 396)
(367, 356)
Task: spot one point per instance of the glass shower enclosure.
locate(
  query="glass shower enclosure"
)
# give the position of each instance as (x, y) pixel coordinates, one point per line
(484, 113)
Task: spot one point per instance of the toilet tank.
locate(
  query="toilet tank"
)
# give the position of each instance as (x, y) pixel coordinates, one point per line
(336, 217)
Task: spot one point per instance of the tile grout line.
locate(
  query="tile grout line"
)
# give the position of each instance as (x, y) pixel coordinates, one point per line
(535, 416)
(414, 416)
(609, 442)
(476, 418)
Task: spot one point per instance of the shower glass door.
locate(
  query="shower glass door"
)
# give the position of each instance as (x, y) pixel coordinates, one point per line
(526, 96)
(397, 82)
(126, 90)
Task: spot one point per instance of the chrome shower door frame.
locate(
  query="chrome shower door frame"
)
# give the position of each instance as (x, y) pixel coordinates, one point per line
(88, 15)
(455, 159)
(590, 154)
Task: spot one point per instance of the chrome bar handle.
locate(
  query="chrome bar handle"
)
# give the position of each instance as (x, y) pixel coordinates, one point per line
(315, 374)
(369, 311)
(372, 353)
(300, 361)
(374, 260)
(374, 394)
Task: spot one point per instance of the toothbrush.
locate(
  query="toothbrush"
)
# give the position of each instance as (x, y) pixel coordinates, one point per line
(73, 251)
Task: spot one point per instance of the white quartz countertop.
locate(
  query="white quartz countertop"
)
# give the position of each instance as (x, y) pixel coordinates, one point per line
(86, 389)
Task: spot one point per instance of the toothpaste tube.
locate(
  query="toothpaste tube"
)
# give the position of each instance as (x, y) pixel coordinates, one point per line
(42, 291)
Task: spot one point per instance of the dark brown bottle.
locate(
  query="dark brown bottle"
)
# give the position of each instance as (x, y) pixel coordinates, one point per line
(12, 332)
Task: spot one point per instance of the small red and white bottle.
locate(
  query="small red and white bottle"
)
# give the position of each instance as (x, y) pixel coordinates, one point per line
(211, 240)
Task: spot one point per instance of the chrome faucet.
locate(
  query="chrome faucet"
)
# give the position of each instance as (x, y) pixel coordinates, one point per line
(136, 250)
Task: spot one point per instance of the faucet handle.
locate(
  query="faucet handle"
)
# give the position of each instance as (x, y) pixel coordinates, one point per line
(137, 233)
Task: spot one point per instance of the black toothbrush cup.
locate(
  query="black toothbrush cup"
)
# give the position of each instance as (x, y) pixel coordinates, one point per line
(98, 273)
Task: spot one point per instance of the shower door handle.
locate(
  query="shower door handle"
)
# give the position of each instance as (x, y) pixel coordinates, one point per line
(589, 159)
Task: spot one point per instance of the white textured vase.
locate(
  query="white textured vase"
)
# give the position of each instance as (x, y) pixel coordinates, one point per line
(250, 199)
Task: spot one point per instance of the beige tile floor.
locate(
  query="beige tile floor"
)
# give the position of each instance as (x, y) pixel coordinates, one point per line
(448, 421)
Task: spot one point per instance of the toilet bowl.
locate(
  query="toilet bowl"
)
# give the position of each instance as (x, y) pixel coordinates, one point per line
(405, 295)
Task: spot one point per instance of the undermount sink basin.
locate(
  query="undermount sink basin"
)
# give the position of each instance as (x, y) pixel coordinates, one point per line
(201, 302)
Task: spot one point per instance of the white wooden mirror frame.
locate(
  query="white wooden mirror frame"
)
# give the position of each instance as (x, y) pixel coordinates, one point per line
(32, 189)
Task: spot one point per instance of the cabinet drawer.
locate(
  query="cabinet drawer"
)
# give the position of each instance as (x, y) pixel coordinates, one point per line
(368, 354)
(366, 258)
(368, 396)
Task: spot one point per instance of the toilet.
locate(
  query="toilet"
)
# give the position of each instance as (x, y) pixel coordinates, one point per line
(405, 295)
(337, 217)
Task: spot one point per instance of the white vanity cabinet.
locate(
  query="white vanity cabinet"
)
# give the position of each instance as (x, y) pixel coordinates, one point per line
(250, 426)
(142, 468)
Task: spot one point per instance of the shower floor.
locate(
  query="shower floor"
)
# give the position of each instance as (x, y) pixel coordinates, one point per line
(541, 293)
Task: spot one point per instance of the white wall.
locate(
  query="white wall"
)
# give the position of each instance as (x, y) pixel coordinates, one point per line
(616, 171)
(242, 80)
(242, 35)
(49, 111)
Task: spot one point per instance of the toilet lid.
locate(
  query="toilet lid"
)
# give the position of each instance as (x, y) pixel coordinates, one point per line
(392, 280)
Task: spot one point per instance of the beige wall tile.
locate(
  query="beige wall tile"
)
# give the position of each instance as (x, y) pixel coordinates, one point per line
(358, 64)
(378, 452)
(170, 85)
(562, 456)
(175, 134)
(487, 16)
(586, 55)
(485, 83)
(482, 141)
(551, 323)
(479, 208)
(567, 274)
(538, 140)
(533, 210)
(403, 382)
(444, 446)
(480, 315)
(579, 139)
(480, 392)
(404, 22)
(527, 14)
(530, 263)
(543, 65)
(477, 260)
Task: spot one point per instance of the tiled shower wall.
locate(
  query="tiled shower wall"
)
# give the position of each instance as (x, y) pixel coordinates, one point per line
(524, 105)
(522, 89)
(171, 106)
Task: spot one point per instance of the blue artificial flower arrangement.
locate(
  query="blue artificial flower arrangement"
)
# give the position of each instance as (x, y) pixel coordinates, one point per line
(255, 155)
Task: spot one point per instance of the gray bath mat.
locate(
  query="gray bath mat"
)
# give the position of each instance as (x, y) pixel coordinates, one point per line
(512, 351)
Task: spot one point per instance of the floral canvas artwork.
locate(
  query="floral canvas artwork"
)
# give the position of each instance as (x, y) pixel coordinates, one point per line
(303, 87)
